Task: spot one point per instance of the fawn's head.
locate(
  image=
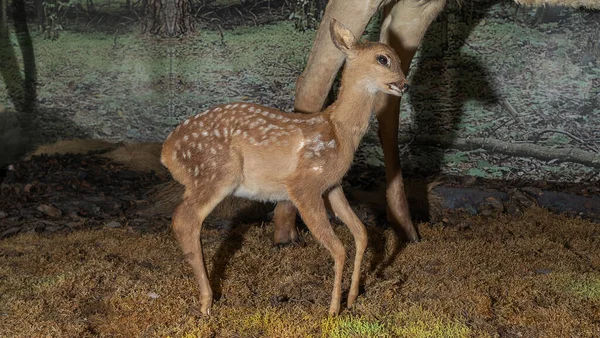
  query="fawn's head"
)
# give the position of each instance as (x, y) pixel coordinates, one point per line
(378, 63)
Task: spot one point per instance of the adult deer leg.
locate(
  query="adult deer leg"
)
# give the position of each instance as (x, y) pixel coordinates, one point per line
(285, 223)
(403, 29)
(314, 83)
(344, 212)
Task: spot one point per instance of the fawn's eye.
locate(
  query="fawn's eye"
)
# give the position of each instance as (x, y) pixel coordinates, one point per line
(383, 60)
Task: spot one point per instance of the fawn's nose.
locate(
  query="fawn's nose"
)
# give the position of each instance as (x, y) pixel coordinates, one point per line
(405, 87)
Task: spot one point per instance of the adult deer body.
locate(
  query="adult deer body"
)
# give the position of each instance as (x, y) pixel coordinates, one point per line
(264, 154)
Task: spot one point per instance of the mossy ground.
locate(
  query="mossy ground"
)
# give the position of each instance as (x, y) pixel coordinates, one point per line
(532, 276)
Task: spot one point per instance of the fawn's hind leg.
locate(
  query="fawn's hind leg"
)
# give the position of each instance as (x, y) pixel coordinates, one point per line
(344, 212)
(187, 225)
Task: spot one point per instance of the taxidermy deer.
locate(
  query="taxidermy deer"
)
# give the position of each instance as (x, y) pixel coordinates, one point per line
(405, 23)
(260, 153)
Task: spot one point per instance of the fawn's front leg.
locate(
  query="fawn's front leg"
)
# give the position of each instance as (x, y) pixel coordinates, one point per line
(315, 82)
(344, 212)
(312, 210)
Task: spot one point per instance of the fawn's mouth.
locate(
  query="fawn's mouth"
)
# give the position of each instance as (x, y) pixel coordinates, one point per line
(398, 88)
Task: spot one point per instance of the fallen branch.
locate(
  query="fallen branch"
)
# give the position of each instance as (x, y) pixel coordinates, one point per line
(582, 142)
(512, 111)
(574, 155)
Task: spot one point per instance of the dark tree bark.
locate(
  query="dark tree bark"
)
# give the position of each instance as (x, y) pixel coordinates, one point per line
(20, 85)
(21, 89)
(39, 12)
(168, 18)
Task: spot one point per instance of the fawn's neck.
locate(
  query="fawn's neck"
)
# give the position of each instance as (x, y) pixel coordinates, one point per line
(351, 112)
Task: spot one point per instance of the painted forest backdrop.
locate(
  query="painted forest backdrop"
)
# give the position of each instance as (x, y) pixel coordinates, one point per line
(498, 90)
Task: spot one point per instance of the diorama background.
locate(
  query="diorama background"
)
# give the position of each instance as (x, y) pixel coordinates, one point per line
(497, 90)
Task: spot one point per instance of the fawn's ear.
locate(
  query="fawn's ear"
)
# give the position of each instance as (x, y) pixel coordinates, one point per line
(342, 37)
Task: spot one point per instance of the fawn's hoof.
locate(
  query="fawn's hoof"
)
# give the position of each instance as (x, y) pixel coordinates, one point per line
(205, 305)
(205, 311)
(292, 240)
(351, 299)
(413, 237)
(334, 310)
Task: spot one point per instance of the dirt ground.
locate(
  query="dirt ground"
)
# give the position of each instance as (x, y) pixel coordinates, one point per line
(81, 256)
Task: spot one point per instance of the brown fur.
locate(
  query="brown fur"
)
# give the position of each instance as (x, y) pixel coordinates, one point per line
(72, 146)
(264, 154)
(143, 157)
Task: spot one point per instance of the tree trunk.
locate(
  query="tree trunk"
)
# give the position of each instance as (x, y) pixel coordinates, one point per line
(21, 89)
(20, 83)
(39, 13)
(168, 18)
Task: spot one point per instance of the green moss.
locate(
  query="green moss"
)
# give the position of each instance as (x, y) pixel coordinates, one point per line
(420, 323)
(587, 287)
(342, 327)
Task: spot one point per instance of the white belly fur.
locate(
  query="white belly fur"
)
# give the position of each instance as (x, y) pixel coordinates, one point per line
(255, 192)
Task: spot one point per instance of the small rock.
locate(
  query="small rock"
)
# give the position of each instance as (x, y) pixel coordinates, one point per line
(486, 212)
(543, 271)
(10, 232)
(112, 224)
(153, 295)
(513, 210)
(3, 214)
(72, 225)
(53, 228)
(50, 210)
(495, 203)
(278, 300)
(533, 191)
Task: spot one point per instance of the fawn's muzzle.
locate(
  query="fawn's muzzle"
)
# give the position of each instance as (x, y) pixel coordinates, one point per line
(398, 88)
